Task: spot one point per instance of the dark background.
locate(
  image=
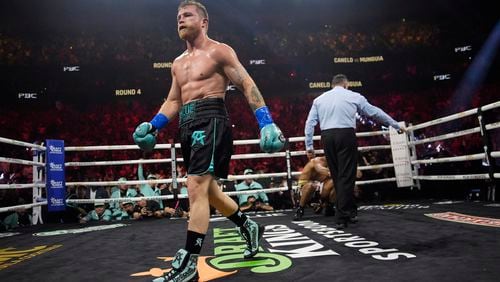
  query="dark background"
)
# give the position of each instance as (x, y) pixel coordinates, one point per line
(115, 43)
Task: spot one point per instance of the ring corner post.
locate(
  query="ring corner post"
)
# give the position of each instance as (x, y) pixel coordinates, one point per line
(36, 213)
(488, 160)
(55, 184)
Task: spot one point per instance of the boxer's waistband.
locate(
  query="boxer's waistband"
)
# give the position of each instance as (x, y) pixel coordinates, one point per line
(202, 108)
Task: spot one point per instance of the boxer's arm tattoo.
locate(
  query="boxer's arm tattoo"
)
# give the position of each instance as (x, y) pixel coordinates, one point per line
(256, 100)
(238, 77)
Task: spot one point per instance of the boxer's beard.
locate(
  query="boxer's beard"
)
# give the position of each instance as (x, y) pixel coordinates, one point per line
(188, 33)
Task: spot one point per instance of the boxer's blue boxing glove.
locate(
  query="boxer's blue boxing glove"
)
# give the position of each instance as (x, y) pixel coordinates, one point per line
(145, 133)
(271, 137)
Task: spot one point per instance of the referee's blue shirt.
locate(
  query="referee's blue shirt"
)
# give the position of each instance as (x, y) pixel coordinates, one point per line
(337, 109)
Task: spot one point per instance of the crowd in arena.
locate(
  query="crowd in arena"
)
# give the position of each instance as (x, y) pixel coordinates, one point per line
(94, 48)
(113, 123)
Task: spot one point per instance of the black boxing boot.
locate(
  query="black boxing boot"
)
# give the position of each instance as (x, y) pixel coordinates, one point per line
(299, 213)
(184, 268)
(251, 232)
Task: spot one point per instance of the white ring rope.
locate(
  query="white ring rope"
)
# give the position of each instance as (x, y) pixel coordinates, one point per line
(128, 182)
(21, 143)
(21, 186)
(235, 143)
(318, 137)
(234, 157)
(123, 162)
(257, 156)
(446, 136)
(20, 161)
(495, 154)
(376, 147)
(179, 180)
(454, 116)
(493, 125)
(22, 207)
(382, 180)
(376, 166)
(262, 175)
(165, 197)
(372, 133)
(115, 147)
(451, 159)
(453, 177)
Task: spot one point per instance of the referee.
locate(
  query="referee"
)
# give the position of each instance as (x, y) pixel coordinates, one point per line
(335, 110)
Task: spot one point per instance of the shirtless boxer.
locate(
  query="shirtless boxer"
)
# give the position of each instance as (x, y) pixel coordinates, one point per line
(200, 77)
(314, 175)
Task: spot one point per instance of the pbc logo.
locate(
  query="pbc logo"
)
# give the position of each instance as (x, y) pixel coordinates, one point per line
(71, 68)
(27, 96)
(442, 77)
(258, 62)
(463, 49)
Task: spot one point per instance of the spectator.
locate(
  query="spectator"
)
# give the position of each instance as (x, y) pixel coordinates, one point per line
(281, 199)
(149, 189)
(125, 211)
(123, 191)
(255, 201)
(148, 209)
(100, 213)
(18, 218)
(98, 192)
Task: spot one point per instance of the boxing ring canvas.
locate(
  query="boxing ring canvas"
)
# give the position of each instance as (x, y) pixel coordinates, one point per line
(393, 242)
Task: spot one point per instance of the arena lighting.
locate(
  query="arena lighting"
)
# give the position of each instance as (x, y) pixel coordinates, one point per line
(475, 74)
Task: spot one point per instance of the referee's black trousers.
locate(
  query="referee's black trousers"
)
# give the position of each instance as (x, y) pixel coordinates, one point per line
(341, 152)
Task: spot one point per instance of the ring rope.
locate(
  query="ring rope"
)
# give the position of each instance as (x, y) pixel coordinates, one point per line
(363, 182)
(234, 157)
(495, 154)
(451, 159)
(318, 137)
(446, 136)
(257, 156)
(453, 177)
(453, 117)
(128, 182)
(21, 186)
(168, 197)
(236, 142)
(454, 134)
(20, 161)
(376, 166)
(169, 180)
(115, 147)
(21, 143)
(122, 162)
(493, 125)
(262, 175)
(376, 147)
(27, 206)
